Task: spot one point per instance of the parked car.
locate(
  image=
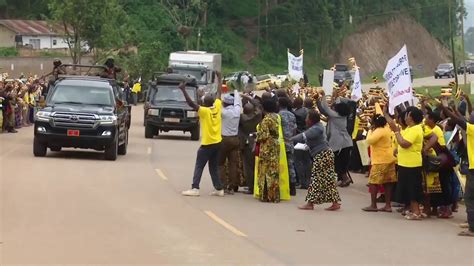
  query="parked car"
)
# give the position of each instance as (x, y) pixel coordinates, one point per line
(468, 67)
(444, 70)
(264, 81)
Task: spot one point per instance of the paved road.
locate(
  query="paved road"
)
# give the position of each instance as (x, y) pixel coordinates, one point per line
(428, 81)
(74, 208)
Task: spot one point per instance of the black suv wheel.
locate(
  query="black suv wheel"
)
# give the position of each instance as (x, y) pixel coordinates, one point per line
(122, 149)
(39, 149)
(111, 150)
(195, 133)
(150, 131)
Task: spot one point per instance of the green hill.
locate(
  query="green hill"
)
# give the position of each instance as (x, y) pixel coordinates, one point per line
(251, 34)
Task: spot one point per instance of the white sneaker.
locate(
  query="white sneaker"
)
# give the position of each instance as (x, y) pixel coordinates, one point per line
(192, 192)
(218, 193)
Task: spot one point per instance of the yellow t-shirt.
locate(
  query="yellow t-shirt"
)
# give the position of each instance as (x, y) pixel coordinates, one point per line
(137, 87)
(211, 123)
(437, 131)
(411, 157)
(380, 141)
(470, 144)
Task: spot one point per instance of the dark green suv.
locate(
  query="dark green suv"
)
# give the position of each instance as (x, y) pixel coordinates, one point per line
(166, 108)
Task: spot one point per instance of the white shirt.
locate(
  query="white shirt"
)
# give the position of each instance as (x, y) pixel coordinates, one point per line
(231, 117)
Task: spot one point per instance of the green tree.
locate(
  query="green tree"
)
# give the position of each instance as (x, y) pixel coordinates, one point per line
(469, 40)
(185, 14)
(95, 23)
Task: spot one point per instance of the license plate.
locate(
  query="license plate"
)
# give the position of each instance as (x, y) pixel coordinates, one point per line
(172, 120)
(73, 133)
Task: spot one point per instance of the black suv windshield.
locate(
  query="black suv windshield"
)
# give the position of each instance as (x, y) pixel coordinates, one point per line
(198, 74)
(172, 93)
(82, 95)
(446, 66)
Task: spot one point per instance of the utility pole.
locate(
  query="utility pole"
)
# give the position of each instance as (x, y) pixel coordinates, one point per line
(462, 41)
(452, 44)
(258, 25)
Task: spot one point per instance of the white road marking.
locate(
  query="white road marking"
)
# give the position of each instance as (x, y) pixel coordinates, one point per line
(148, 150)
(161, 174)
(224, 224)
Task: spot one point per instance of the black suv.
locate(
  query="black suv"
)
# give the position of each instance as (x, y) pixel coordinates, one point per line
(83, 112)
(166, 108)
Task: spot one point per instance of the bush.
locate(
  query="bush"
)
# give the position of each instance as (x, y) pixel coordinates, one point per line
(8, 51)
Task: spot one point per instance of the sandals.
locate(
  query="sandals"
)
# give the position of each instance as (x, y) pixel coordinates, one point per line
(385, 210)
(466, 233)
(413, 217)
(306, 207)
(370, 209)
(333, 207)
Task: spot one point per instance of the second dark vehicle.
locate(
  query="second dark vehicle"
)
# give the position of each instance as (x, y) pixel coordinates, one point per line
(166, 108)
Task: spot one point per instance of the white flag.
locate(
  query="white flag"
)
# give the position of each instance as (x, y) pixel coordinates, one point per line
(397, 75)
(357, 87)
(295, 67)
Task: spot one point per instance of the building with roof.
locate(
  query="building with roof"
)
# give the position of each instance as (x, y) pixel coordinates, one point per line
(35, 34)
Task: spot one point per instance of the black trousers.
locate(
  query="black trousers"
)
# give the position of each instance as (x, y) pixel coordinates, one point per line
(205, 154)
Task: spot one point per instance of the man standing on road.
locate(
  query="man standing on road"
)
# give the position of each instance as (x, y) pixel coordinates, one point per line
(230, 142)
(249, 120)
(137, 88)
(211, 125)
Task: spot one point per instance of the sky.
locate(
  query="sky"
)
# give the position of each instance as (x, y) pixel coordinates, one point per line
(469, 22)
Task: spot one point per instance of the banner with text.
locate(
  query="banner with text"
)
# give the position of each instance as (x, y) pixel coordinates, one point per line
(295, 67)
(357, 87)
(397, 75)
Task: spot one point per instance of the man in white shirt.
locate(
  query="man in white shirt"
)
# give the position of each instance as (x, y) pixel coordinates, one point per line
(230, 142)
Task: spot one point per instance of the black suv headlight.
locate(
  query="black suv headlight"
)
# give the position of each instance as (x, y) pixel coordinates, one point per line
(108, 119)
(191, 114)
(154, 112)
(43, 116)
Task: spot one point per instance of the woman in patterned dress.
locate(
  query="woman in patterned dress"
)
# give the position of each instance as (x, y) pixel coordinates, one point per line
(322, 188)
(269, 154)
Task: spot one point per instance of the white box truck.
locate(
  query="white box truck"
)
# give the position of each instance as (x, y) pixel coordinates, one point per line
(199, 64)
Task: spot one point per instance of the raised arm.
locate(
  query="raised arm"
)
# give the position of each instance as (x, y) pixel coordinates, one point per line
(469, 103)
(190, 101)
(324, 107)
(219, 85)
(458, 120)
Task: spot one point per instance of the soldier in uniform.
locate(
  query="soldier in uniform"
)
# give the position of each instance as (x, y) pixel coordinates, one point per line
(112, 70)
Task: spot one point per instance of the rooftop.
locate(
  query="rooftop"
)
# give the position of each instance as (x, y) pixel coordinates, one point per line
(32, 27)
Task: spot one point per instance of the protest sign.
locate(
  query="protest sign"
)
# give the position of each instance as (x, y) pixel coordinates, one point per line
(397, 75)
(295, 66)
(357, 87)
(328, 81)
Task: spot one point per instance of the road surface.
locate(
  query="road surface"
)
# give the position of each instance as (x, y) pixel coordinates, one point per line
(72, 207)
(427, 81)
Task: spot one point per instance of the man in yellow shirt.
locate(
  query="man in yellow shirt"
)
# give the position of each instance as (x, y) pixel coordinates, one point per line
(469, 188)
(211, 124)
(137, 88)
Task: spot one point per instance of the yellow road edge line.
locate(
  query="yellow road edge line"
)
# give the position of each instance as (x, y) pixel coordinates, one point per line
(161, 174)
(224, 224)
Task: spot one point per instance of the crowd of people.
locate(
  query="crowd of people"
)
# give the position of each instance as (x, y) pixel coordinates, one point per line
(282, 139)
(19, 99)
